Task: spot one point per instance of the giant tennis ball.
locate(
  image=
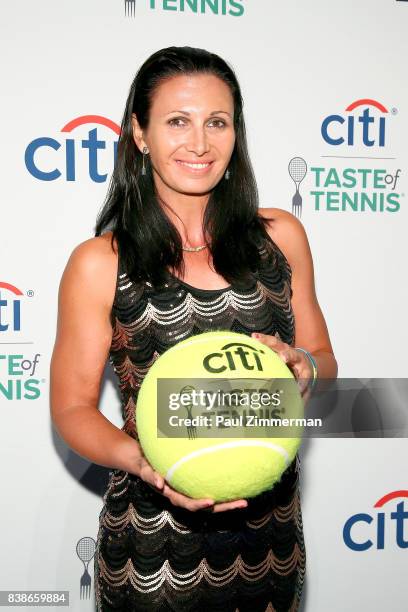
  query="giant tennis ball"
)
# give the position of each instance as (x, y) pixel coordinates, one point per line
(217, 458)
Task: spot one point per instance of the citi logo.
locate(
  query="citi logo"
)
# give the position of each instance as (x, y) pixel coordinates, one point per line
(232, 355)
(49, 159)
(374, 525)
(10, 308)
(363, 122)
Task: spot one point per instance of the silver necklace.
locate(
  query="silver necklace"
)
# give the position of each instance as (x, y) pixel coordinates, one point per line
(194, 249)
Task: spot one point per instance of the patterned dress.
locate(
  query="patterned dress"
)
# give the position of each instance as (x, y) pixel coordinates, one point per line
(153, 556)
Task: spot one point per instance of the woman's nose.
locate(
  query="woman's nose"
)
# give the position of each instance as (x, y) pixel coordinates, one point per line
(198, 141)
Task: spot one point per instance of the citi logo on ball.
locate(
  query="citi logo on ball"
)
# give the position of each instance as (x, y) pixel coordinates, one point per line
(10, 307)
(48, 159)
(359, 126)
(233, 356)
(380, 523)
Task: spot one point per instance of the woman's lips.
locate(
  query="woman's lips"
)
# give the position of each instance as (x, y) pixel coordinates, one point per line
(196, 168)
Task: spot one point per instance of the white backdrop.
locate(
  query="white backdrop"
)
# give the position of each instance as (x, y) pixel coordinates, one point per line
(298, 63)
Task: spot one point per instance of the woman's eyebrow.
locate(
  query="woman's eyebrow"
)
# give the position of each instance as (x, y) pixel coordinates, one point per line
(187, 113)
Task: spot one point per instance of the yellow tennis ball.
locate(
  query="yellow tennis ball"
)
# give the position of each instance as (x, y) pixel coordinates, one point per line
(217, 458)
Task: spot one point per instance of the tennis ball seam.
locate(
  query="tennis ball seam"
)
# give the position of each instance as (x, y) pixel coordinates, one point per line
(233, 444)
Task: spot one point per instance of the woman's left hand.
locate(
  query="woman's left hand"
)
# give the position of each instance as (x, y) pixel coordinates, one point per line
(297, 361)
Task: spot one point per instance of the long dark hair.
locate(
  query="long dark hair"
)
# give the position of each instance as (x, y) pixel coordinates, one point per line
(148, 241)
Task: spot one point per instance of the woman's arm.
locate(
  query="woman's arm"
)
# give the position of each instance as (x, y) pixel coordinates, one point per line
(84, 335)
(83, 339)
(311, 331)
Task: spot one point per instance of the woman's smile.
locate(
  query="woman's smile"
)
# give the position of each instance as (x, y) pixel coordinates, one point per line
(194, 167)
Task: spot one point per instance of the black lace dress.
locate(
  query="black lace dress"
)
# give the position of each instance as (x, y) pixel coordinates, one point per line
(153, 556)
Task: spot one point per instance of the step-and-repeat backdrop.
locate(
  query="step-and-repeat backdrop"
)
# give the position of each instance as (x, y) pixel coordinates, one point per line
(323, 82)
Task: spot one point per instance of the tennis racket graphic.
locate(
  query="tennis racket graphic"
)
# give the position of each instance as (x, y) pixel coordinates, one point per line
(297, 171)
(85, 549)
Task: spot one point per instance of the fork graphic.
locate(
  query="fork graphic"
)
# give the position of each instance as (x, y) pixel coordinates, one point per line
(191, 429)
(130, 6)
(85, 585)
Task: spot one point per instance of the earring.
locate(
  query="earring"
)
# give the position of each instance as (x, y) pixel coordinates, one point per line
(227, 175)
(145, 150)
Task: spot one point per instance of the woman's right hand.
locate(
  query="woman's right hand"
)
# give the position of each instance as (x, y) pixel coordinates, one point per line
(153, 478)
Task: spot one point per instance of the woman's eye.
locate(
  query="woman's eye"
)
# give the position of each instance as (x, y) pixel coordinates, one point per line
(220, 123)
(176, 122)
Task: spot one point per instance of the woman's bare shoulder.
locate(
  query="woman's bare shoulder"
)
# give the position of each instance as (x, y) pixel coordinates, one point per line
(281, 216)
(93, 263)
(97, 246)
(288, 232)
(95, 254)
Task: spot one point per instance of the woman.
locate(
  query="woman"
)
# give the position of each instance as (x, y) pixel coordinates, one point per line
(188, 250)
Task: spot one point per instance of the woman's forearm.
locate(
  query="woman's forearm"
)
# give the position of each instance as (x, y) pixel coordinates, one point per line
(327, 370)
(90, 434)
(326, 364)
